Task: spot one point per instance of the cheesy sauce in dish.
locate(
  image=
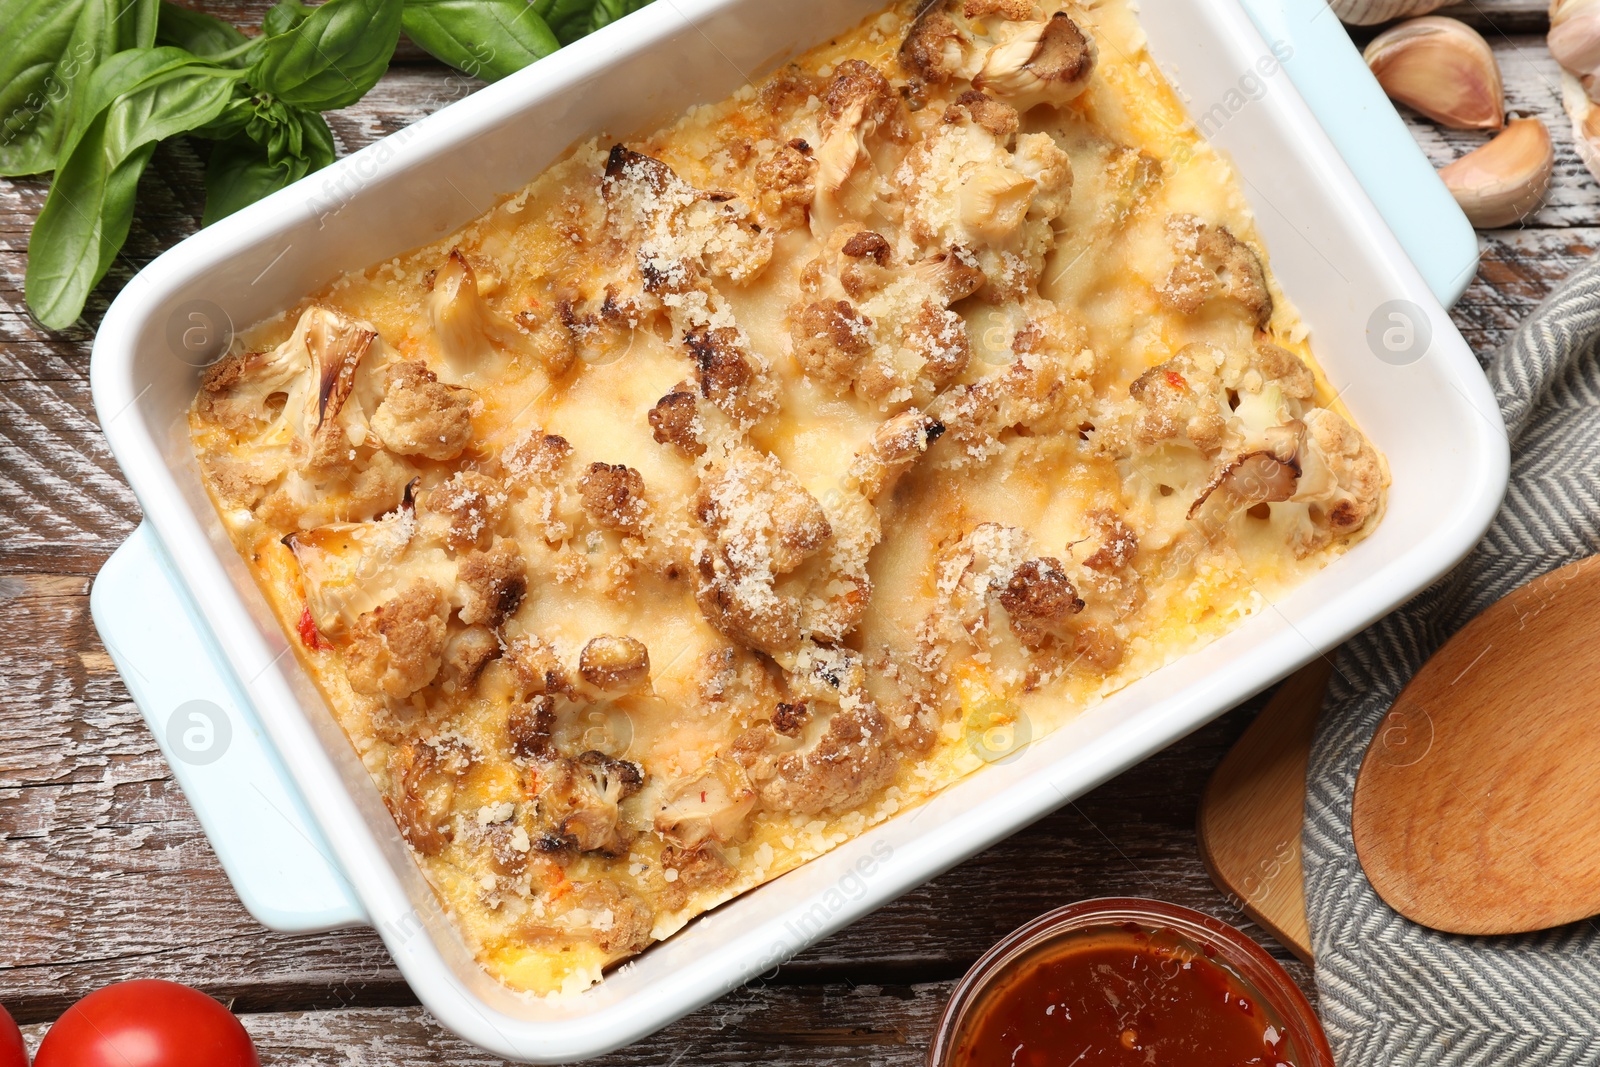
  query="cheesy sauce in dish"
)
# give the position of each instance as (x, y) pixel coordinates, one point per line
(731, 489)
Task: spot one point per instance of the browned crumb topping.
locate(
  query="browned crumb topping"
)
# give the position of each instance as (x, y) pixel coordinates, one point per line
(613, 495)
(398, 647)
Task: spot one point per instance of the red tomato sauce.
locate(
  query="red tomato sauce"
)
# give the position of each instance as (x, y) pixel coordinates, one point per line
(1120, 997)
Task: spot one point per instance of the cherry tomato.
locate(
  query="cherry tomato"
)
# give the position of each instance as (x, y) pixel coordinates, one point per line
(147, 1024)
(13, 1053)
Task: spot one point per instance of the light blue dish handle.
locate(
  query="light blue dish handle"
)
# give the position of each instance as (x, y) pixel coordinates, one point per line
(255, 818)
(272, 852)
(1327, 69)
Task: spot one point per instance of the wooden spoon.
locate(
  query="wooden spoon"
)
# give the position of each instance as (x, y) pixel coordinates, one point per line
(1477, 804)
(1251, 811)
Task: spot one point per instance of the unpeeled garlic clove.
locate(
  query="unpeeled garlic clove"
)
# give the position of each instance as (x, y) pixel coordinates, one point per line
(1585, 116)
(1575, 38)
(1504, 181)
(1368, 12)
(1444, 69)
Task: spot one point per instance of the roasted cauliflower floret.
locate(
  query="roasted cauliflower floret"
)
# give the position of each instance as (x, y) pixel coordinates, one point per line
(675, 420)
(895, 447)
(708, 807)
(1342, 475)
(1038, 62)
(1214, 265)
(1038, 598)
(424, 777)
(474, 339)
(785, 182)
(1113, 543)
(578, 802)
(862, 110)
(613, 495)
(321, 422)
(851, 762)
(679, 234)
(490, 585)
(538, 670)
(831, 339)
(422, 416)
(398, 647)
(762, 519)
(614, 664)
(1004, 47)
(1182, 398)
(470, 506)
(1036, 390)
(466, 653)
(936, 48)
(731, 375)
(966, 186)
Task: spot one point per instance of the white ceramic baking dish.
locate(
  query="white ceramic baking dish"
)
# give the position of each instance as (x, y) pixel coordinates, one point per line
(315, 848)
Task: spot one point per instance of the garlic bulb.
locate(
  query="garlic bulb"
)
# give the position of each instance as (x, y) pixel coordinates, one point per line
(1367, 12)
(1504, 181)
(1585, 116)
(1444, 69)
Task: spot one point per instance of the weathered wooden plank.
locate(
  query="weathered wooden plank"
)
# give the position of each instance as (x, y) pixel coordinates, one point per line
(757, 1026)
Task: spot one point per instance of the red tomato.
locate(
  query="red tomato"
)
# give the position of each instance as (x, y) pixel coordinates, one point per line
(147, 1024)
(13, 1053)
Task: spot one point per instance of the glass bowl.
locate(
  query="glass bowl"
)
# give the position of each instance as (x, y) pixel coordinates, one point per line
(1248, 962)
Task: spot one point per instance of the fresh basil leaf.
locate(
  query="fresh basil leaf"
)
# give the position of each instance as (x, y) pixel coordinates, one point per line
(608, 11)
(570, 19)
(143, 96)
(242, 170)
(194, 31)
(284, 16)
(332, 58)
(487, 39)
(52, 47)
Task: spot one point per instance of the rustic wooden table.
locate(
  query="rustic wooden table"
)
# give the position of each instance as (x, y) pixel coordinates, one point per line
(105, 874)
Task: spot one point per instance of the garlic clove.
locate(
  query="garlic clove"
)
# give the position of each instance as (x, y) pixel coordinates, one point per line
(1368, 12)
(1444, 69)
(1504, 181)
(1585, 116)
(1575, 38)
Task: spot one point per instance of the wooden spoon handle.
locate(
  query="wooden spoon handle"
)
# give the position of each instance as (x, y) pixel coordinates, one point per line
(1252, 809)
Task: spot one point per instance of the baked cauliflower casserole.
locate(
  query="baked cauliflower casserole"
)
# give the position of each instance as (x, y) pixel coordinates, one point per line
(730, 489)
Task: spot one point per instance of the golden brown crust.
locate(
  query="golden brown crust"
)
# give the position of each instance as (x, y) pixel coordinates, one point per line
(613, 495)
(675, 420)
(492, 584)
(421, 416)
(851, 762)
(398, 647)
(831, 339)
(1038, 598)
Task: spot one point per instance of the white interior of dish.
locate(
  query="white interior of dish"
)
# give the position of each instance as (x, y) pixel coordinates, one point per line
(1434, 419)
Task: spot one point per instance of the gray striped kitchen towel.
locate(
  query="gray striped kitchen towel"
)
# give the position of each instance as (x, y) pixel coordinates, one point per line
(1392, 992)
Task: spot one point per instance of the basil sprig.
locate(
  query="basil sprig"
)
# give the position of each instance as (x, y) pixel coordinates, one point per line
(488, 39)
(52, 48)
(88, 88)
